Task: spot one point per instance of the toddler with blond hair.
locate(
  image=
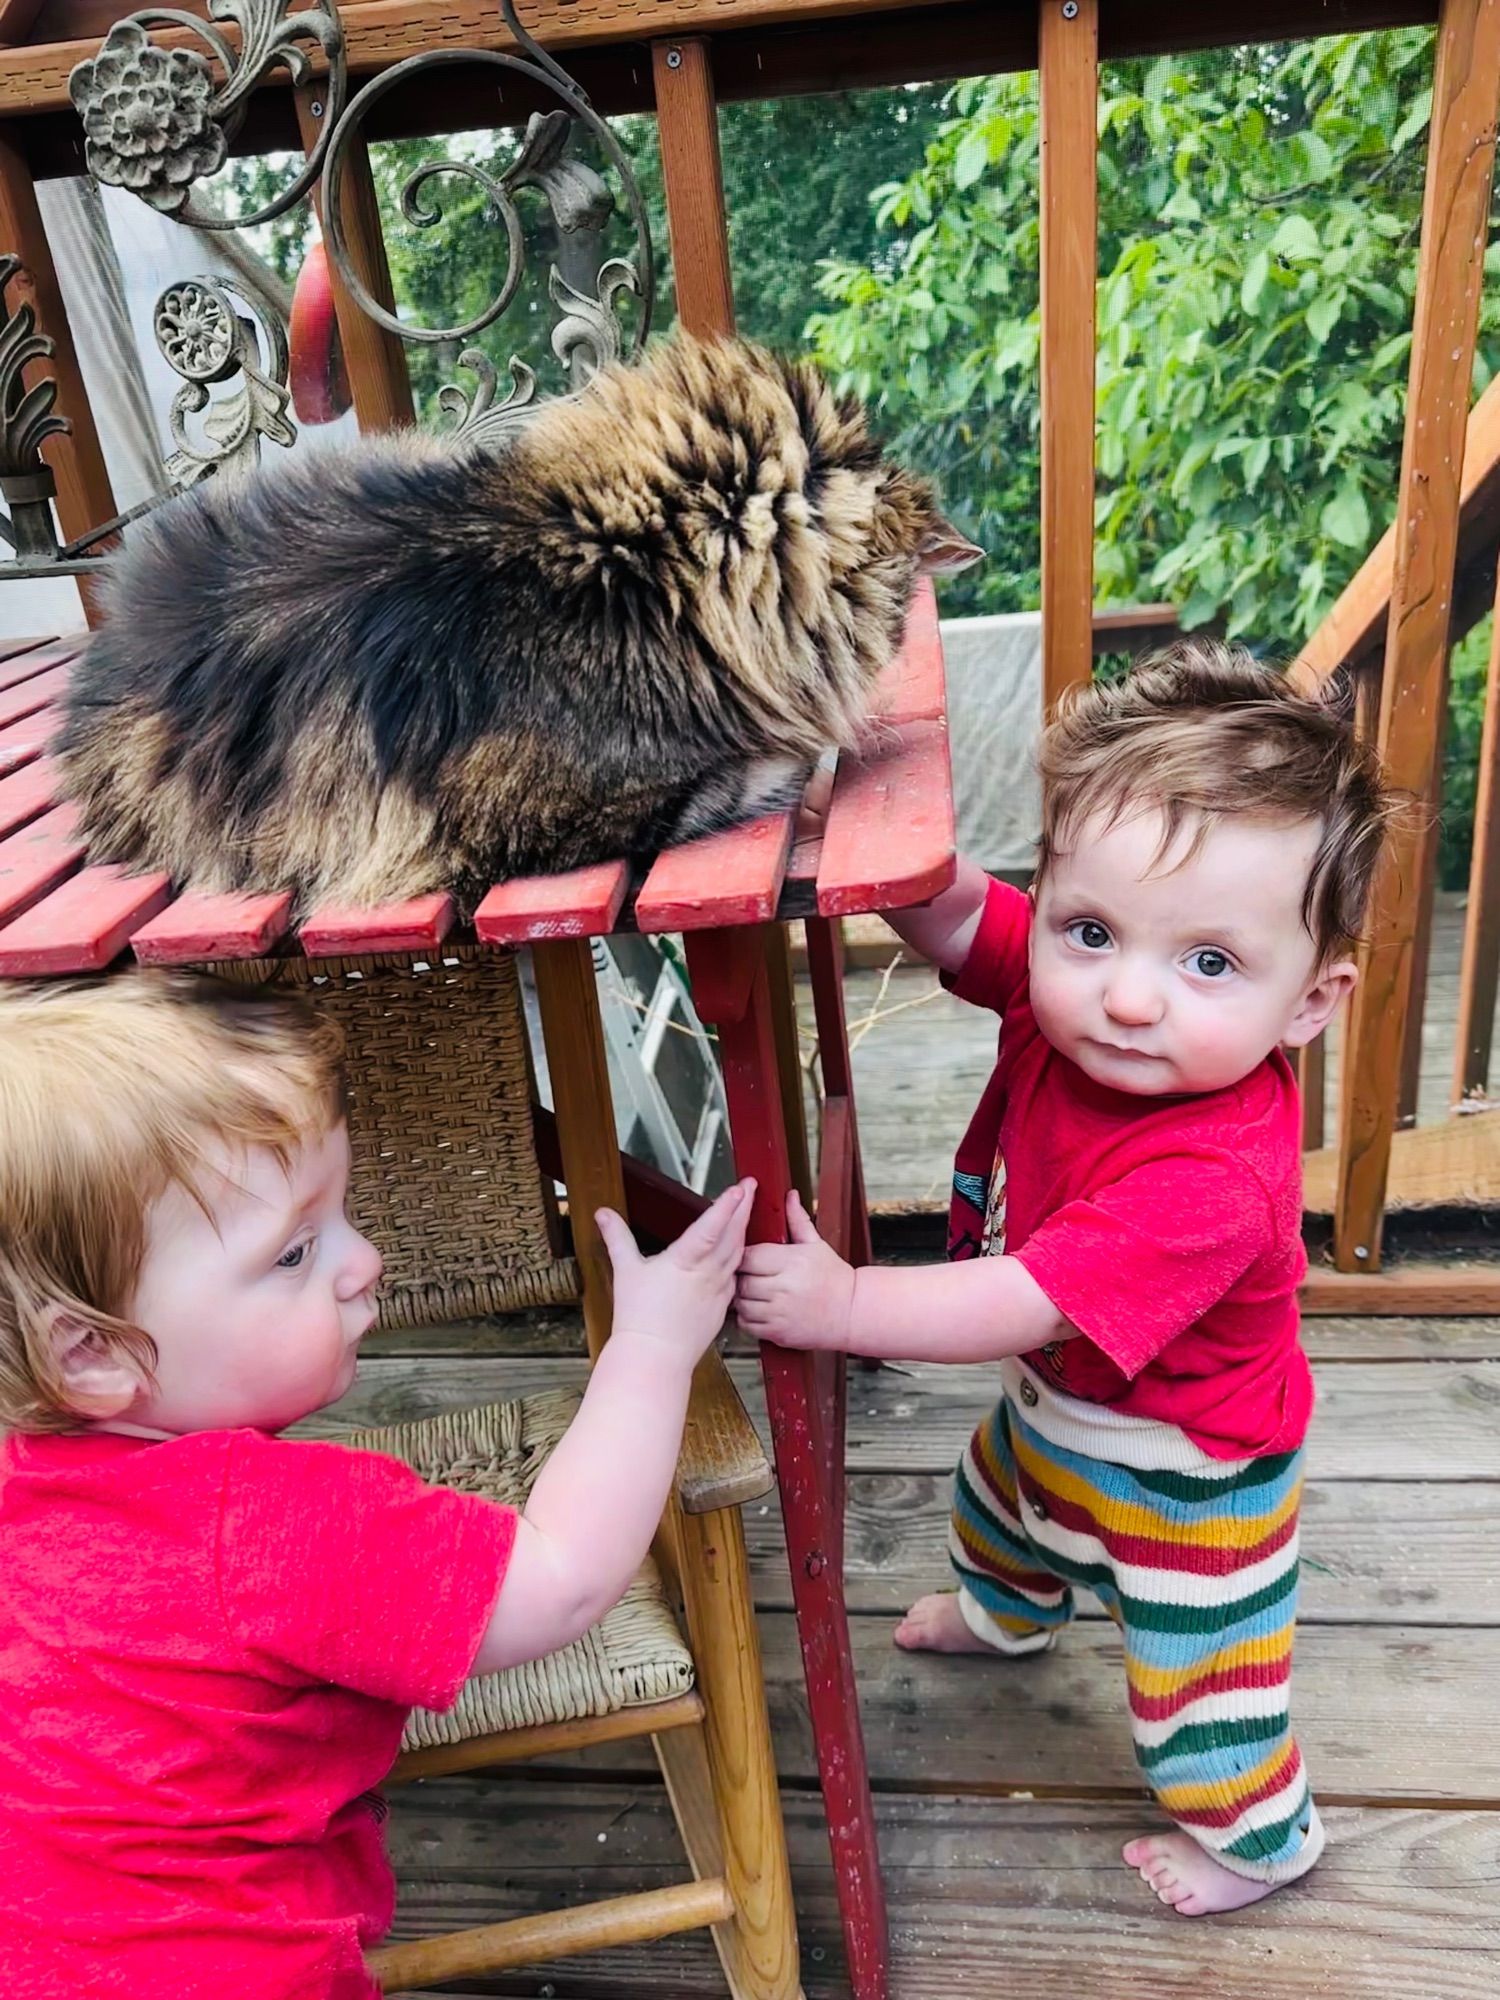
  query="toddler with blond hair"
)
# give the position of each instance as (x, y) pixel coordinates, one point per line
(1125, 1230)
(210, 1635)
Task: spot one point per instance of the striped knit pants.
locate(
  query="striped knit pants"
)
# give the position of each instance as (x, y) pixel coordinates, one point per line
(1197, 1567)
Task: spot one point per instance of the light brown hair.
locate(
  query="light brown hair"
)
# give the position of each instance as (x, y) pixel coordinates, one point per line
(112, 1091)
(1204, 732)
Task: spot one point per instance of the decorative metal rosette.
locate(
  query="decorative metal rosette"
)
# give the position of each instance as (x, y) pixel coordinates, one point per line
(207, 341)
(156, 120)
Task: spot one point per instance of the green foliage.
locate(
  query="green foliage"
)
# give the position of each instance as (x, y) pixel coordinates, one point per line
(1259, 210)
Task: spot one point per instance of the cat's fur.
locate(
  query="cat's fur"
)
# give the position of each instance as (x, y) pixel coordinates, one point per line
(405, 667)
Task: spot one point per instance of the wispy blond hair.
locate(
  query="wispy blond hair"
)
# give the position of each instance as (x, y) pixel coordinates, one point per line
(1204, 732)
(111, 1092)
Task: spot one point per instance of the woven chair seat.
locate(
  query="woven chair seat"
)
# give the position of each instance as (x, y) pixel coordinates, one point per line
(633, 1656)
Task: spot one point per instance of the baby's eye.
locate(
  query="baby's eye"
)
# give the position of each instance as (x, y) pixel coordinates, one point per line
(293, 1259)
(1089, 933)
(1210, 964)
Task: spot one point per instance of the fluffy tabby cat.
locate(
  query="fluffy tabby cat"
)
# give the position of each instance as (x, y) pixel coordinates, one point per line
(405, 667)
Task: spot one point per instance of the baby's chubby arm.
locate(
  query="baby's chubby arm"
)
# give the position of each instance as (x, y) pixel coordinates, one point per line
(599, 1498)
(802, 1294)
(944, 930)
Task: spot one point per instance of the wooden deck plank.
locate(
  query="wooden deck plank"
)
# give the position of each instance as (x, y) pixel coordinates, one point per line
(1398, 1421)
(199, 928)
(10, 647)
(83, 925)
(988, 1897)
(1399, 1554)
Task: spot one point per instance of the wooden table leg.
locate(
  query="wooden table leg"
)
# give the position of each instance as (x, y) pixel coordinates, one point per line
(751, 1081)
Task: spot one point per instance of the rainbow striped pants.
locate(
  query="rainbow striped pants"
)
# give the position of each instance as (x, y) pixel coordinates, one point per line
(1198, 1568)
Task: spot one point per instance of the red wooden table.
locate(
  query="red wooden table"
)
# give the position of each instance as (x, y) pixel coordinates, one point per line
(887, 843)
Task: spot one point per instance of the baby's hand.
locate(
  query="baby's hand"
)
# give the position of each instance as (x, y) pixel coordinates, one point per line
(797, 1294)
(679, 1298)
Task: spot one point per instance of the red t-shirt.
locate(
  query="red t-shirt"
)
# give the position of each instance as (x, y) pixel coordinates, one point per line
(1168, 1230)
(208, 1648)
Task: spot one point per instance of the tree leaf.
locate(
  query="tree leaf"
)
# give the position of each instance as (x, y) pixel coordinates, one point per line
(971, 159)
(1254, 282)
(1346, 518)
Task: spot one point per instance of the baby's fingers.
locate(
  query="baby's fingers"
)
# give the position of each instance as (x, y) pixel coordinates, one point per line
(720, 1227)
(763, 1260)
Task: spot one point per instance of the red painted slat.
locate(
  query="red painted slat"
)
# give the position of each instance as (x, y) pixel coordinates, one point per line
(21, 741)
(36, 859)
(82, 926)
(415, 926)
(32, 694)
(889, 841)
(199, 927)
(27, 794)
(26, 666)
(723, 879)
(913, 690)
(8, 647)
(583, 903)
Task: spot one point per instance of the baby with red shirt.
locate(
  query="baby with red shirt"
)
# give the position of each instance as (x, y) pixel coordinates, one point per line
(211, 1636)
(1125, 1230)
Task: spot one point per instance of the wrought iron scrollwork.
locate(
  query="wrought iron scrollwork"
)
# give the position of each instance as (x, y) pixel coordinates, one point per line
(155, 120)
(208, 342)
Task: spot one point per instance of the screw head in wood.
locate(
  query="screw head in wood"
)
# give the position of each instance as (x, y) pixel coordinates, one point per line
(674, 58)
(1070, 10)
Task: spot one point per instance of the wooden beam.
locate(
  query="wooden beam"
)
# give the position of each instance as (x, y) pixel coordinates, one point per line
(1479, 969)
(17, 19)
(1443, 1290)
(1311, 1066)
(85, 498)
(376, 360)
(1354, 630)
(688, 123)
(1452, 1164)
(1068, 48)
(1455, 219)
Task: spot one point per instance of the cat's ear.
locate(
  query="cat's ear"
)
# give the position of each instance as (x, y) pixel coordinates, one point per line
(944, 551)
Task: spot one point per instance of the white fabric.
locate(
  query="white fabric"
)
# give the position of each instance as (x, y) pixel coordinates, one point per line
(994, 719)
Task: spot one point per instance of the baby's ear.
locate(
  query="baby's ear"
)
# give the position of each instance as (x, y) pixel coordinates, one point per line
(1322, 1000)
(98, 1377)
(943, 551)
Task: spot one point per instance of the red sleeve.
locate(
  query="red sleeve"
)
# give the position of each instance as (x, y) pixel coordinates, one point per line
(1137, 1263)
(995, 968)
(345, 1567)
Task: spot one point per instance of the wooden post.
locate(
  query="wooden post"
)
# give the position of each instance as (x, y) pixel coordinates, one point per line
(1312, 1074)
(1480, 968)
(1068, 61)
(1455, 219)
(1428, 862)
(375, 358)
(688, 127)
(85, 498)
(569, 1000)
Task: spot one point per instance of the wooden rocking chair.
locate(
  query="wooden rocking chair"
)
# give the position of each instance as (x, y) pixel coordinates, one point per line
(448, 1182)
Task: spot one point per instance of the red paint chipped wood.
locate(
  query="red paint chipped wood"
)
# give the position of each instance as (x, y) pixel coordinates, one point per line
(415, 926)
(199, 927)
(26, 666)
(913, 689)
(32, 694)
(27, 794)
(37, 859)
(889, 838)
(724, 879)
(82, 926)
(582, 903)
(21, 741)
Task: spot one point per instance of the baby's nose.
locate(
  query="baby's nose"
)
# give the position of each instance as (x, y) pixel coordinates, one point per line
(362, 1272)
(1133, 1000)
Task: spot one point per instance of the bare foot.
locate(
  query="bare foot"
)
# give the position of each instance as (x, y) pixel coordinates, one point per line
(1185, 1875)
(935, 1624)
